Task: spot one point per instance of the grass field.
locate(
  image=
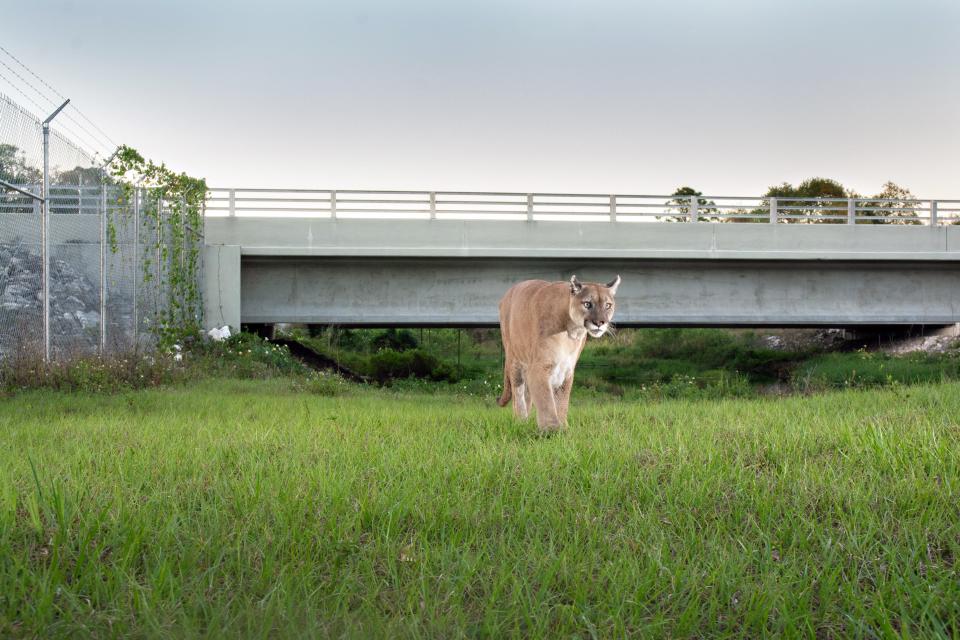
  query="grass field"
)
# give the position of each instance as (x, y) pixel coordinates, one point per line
(257, 509)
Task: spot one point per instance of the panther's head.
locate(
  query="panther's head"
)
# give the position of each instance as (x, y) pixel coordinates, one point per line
(592, 305)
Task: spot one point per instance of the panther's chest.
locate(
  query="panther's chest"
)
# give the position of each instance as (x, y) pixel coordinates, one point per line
(563, 366)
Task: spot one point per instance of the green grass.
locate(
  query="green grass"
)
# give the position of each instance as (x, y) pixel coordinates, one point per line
(615, 364)
(866, 369)
(259, 509)
(657, 356)
(646, 363)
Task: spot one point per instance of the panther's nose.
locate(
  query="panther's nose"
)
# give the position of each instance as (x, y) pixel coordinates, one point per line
(600, 323)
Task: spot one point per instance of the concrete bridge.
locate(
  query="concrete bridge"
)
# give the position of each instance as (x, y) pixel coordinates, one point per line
(445, 258)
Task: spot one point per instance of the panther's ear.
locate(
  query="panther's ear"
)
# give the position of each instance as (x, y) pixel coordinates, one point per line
(575, 285)
(613, 285)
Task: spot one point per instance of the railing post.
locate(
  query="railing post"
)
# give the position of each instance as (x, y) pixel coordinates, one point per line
(851, 211)
(433, 205)
(333, 205)
(233, 202)
(933, 213)
(694, 212)
(529, 207)
(613, 208)
(773, 210)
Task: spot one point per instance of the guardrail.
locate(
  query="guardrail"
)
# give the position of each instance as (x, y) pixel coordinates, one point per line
(491, 205)
(63, 199)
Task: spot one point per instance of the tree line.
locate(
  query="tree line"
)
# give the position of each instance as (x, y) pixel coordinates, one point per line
(894, 204)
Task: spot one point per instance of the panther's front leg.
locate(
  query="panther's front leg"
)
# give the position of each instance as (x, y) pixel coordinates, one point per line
(563, 397)
(544, 398)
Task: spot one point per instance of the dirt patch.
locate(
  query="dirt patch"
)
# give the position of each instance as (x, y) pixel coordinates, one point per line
(316, 360)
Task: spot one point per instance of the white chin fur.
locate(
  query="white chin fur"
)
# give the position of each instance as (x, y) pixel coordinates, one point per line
(595, 331)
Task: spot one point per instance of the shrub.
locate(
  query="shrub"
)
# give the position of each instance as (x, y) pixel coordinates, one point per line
(89, 373)
(244, 355)
(390, 365)
(395, 340)
(325, 384)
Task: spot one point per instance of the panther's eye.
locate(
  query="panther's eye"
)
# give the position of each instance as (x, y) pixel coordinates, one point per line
(587, 304)
(609, 305)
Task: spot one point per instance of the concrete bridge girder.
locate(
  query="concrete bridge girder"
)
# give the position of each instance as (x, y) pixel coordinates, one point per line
(453, 272)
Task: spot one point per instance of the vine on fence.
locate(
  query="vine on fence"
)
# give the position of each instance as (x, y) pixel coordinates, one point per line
(174, 202)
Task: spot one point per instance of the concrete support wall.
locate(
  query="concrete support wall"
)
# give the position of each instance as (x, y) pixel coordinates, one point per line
(221, 286)
(445, 291)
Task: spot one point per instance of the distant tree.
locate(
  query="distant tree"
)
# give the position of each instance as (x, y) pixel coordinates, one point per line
(14, 168)
(895, 203)
(804, 200)
(84, 176)
(821, 188)
(680, 203)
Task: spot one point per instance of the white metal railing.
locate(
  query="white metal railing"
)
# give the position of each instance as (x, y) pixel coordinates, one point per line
(491, 205)
(63, 198)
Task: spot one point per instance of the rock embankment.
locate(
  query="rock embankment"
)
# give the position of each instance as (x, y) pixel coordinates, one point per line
(74, 301)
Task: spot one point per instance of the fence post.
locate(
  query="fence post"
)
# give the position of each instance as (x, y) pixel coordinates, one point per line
(136, 267)
(183, 255)
(933, 213)
(529, 207)
(45, 242)
(694, 212)
(333, 205)
(157, 291)
(851, 211)
(433, 205)
(198, 236)
(613, 208)
(45, 230)
(773, 211)
(103, 266)
(233, 202)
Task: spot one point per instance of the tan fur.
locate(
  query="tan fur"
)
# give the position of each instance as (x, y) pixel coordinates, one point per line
(544, 326)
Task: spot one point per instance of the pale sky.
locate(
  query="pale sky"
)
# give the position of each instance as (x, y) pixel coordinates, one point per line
(605, 96)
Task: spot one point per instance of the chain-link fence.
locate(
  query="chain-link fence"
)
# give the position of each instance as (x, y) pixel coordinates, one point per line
(106, 248)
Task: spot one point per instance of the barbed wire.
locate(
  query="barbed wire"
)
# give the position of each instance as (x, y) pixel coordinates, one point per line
(52, 102)
(21, 92)
(61, 96)
(98, 144)
(21, 128)
(41, 109)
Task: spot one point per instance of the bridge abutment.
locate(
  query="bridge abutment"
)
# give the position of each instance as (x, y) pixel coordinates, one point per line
(221, 286)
